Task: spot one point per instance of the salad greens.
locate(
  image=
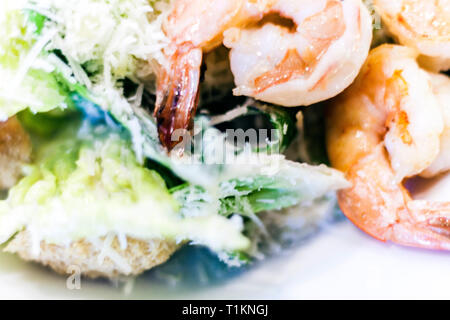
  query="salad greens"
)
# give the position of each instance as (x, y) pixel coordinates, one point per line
(98, 165)
(80, 187)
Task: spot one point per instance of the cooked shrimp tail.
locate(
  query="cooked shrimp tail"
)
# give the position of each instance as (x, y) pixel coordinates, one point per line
(286, 52)
(387, 127)
(178, 93)
(385, 210)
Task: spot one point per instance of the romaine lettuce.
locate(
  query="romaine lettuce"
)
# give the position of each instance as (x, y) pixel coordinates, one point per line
(88, 186)
(26, 71)
(91, 182)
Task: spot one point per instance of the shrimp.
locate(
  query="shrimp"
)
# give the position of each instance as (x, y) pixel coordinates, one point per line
(420, 24)
(387, 126)
(15, 149)
(285, 52)
(441, 87)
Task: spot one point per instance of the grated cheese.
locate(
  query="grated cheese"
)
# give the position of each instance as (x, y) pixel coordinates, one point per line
(110, 35)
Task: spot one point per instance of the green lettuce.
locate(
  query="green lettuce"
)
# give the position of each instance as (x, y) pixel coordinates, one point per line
(30, 70)
(89, 182)
(92, 185)
(251, 191)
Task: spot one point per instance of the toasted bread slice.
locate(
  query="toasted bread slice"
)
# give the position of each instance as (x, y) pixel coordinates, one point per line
(102, 258)
(15, 150)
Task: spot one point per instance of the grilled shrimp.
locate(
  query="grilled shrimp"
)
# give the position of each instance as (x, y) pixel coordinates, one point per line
(15, 149)
(388, 126)
(286, 52)
(420, 24)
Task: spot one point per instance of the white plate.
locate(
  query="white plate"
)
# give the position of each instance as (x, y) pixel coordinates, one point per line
(339, 262)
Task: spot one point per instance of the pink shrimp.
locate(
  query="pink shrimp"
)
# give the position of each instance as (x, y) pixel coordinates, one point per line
(386, 127)
(286, 52)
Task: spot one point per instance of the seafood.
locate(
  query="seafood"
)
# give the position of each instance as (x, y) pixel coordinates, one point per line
(285, 52)
(386, 127)
(420, 24)
(15, 149)
(441, 87)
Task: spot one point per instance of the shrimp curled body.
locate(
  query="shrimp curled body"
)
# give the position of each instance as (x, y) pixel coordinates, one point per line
(390, 125)
(285, 52)
(420, 24)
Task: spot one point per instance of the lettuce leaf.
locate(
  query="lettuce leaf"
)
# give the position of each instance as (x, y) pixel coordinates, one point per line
(91, 182)
(249, 190)
(92, 185)
(24, 62)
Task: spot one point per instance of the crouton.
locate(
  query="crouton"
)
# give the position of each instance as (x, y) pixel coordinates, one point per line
(15, 150)
(102, 258)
